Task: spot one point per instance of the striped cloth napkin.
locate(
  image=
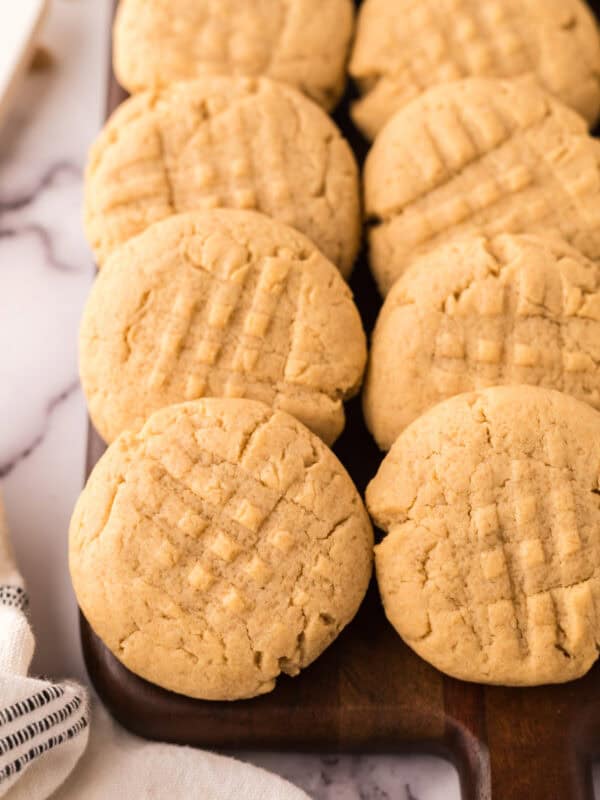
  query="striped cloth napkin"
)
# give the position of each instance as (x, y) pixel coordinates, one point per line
(45, 727)
(41, 723)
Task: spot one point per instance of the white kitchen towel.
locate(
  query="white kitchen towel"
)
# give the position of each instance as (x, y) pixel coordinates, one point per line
(45, 726)
(118, 765)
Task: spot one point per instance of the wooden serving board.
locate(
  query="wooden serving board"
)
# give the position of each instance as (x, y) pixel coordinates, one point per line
(369, 692)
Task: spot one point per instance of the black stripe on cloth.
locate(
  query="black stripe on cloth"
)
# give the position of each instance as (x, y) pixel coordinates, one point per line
(30, 704)
(18, 764)
(32, 730)
(13, 596)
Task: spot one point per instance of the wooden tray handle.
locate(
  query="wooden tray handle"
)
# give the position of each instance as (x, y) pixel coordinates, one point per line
(530, 744)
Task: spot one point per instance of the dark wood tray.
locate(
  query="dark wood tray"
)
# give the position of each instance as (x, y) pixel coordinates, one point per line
(371, 693)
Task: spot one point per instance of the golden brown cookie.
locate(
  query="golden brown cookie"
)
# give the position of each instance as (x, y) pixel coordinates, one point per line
(219, 546)
(405, 47)
(223, 142)
(479, 156)
(226, 304)
(490, 569)
(300, 42)
(479, 312)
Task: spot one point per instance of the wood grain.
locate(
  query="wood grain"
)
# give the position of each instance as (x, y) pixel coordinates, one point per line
(369, 692)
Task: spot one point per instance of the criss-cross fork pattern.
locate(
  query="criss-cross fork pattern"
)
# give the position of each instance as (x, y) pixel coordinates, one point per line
(227, 334)
(486, 38)
(528, 577)
(488, 167)
(232, 542)
(244, 148)
(499, 309)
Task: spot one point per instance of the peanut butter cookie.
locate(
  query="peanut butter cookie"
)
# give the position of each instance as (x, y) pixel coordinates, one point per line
(223, 142)
(490, 569)
(479, 156)
(219, 546)
(300, 42)
(482, 312)
(404, 47)
(220, 303)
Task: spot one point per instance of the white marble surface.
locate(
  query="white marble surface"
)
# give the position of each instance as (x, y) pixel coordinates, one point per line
(45, 273)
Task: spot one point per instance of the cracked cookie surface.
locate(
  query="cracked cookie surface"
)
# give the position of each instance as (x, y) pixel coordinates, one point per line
(403, 48)
(483, 157)
(219, 546)
(490, 569)
(300, 42)
(229, 143)
(224, 304)
(481, 312)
